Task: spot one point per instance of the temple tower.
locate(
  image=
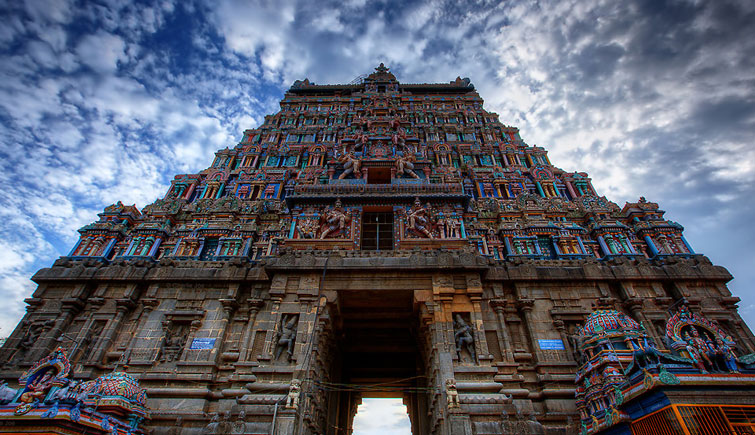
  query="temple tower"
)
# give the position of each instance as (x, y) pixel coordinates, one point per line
(383, 239)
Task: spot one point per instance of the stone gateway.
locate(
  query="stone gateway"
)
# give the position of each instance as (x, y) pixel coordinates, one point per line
(381, 239)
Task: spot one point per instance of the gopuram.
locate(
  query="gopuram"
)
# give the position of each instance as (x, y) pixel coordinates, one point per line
(380, 239)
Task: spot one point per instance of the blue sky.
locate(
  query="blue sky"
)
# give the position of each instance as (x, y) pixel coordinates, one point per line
(106, 101)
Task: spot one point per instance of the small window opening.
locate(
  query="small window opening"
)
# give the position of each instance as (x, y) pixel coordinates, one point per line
(379, 176)
(377, 231)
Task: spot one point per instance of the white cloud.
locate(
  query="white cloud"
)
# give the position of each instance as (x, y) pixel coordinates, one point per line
(101, 51)
(258, 30)
(329, 21)
(55, 11)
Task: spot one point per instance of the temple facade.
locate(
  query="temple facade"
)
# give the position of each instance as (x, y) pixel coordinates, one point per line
(381, 239)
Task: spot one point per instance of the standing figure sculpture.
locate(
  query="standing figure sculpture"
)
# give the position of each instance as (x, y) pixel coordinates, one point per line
(212, 426)
(286, 337)
(694, 354)
(730, 358)
(701, 346)
(464, 336)
(360, 140)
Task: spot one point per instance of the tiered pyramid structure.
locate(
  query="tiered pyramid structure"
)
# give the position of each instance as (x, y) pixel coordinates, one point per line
(382, 239)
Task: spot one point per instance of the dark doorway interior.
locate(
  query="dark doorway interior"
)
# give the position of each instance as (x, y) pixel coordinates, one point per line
(380, 353)
(379, 176)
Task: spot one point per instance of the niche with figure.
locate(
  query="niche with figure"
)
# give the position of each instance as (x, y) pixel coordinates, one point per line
(464, 338)
(175, 335)
(286, 338)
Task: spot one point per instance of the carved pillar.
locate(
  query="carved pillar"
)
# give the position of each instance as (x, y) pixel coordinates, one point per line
(604, 246)
(122, 307)
(474, 292)
(525, 307)
(229, 306)
(635, 305)
(651, 246)
(254, 307)
(273, 326)
(193, 328)
(561, 328)
(504, 338)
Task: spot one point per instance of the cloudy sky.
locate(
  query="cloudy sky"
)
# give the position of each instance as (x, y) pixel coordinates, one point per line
(106, 100)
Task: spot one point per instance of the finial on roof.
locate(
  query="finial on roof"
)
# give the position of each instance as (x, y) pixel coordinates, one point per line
(382, 69)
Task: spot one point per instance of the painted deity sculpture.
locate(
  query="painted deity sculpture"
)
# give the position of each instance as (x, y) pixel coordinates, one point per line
(351, 165)
(334, 222)
(405, 165)
(702, 341)
(418, 219)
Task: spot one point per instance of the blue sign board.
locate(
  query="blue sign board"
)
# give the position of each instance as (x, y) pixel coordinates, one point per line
(551, 344)
(202, 343)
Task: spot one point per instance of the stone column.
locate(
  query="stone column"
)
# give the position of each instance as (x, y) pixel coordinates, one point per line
(81, 341)
(540, 189)
(153, 251)
(75, 247)
(525, 307)
(504, 338)
(229, 306)
(254, 307)
(602, 243)
(635, 305)
(193, 328)
(507, 243)
(122, 307)
(561, 328)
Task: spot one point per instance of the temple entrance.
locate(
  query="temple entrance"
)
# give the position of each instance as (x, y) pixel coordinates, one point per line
(377, 339)
(378, 416)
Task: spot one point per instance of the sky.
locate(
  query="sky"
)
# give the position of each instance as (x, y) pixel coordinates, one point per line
(102, 101)
(382, 417)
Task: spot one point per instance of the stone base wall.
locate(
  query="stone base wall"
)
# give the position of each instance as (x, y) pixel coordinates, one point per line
(222, 338)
